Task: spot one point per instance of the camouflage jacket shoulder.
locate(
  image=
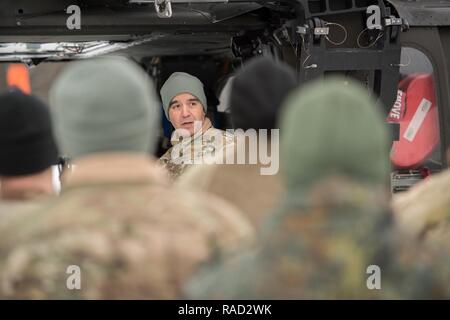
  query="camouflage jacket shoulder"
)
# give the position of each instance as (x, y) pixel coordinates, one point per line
(195, 150)
(131, 239)
(10, 208)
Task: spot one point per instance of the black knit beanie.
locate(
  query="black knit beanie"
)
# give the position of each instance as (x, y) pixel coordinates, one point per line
(258, 91)
(27, 145)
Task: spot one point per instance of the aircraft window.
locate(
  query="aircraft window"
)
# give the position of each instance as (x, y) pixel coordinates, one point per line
(417, 153)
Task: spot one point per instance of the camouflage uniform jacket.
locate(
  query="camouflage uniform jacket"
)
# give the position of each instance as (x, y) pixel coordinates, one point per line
(329, 248)
(131, 236)
(26, 202)
(316, 250)
(243, 185)
(205, 143)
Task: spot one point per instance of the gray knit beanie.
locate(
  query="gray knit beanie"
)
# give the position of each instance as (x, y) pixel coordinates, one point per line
(103, 105)
(181, 82)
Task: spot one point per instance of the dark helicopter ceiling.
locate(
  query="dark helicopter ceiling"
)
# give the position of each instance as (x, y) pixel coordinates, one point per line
(203, 27)
(121, 19)
(37, 29)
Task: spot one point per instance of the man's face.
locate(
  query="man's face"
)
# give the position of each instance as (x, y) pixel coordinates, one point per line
(184, 109)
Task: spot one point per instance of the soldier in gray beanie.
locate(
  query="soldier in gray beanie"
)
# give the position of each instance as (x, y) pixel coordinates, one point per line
(185, 105)
(257, 94)
(180, 82)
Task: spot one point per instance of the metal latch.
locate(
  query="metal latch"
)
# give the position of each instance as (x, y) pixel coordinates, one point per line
(393, 21)
(322, 31)
(302, 30)
(318, 31)
(163, 8)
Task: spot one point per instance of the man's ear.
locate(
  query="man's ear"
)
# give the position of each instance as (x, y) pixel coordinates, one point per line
(168, 114)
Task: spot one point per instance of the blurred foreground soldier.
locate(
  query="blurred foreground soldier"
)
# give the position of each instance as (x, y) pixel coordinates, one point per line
(194, 138)
(333, 220)
(27, 150)
(423, 212)
(257, 92)
(333, 235)
(116, 226)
